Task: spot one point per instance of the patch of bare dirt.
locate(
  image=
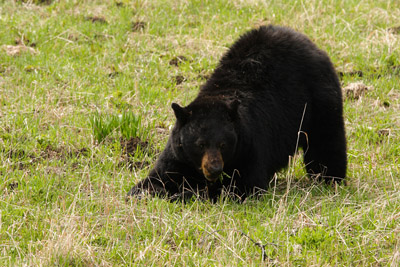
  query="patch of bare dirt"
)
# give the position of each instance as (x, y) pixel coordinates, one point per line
(384, 132)
(130, 147)
(354, 73)
(178, 79)
(31, 68)
(138, 26)
(62, 153)
(178, 60)
(36, 2)
(98, 19)
(22, 159)
(395, 30)
(24, 41)
(13, 185)
(113, 72)
(376, 72)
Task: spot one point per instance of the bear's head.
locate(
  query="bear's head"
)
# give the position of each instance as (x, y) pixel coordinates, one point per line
(205, 135)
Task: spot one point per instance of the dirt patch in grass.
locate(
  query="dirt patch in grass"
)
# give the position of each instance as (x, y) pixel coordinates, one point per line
(178, 79)
(354, 73)
(24, 41)
(119, 4)
(395, 30)
(21, 159)
(95, 19)
(12, 186)
(114, 74)
(15, 153)
(371, 72)
(62, 153)
(37, 2)
(31, 68)
(384, 132)
(178, 60)
(138, 26)
(130, 147)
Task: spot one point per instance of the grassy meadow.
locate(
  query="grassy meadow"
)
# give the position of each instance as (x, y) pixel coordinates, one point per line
(85, 95)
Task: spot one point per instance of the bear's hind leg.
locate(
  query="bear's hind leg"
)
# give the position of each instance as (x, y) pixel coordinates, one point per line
(325, 150)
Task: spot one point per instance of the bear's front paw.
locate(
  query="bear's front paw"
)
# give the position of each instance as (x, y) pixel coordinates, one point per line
(137, 193)
(144, 189)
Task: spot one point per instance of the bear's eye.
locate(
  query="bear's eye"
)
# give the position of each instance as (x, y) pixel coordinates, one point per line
(222, 145)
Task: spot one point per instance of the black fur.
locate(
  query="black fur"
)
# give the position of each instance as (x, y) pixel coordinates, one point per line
(273, 91)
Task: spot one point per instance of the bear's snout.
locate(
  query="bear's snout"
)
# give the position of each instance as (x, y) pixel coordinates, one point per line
(212, 165)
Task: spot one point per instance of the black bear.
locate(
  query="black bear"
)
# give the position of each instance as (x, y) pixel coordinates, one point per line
(274, 91)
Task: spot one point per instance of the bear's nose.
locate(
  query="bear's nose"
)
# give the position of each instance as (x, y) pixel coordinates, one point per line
(215, 169)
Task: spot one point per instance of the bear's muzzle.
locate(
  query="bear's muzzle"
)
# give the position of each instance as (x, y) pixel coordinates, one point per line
(212, 165)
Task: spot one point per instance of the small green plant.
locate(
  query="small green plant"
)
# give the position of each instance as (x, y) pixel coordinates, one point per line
(127, 124)
(103, 126)
(131, 126)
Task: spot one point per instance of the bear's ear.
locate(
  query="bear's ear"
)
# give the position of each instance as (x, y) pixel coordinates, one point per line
(181, 114)
(233, 109)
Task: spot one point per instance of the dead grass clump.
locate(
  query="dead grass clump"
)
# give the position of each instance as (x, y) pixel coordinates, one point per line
(16, 50)
(67, 243)
(355, 90)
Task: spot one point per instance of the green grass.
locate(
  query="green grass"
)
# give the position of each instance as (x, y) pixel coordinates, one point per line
(126, 125)
(80, 80)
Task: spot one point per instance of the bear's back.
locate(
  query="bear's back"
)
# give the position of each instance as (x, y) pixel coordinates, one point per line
(268, 58)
